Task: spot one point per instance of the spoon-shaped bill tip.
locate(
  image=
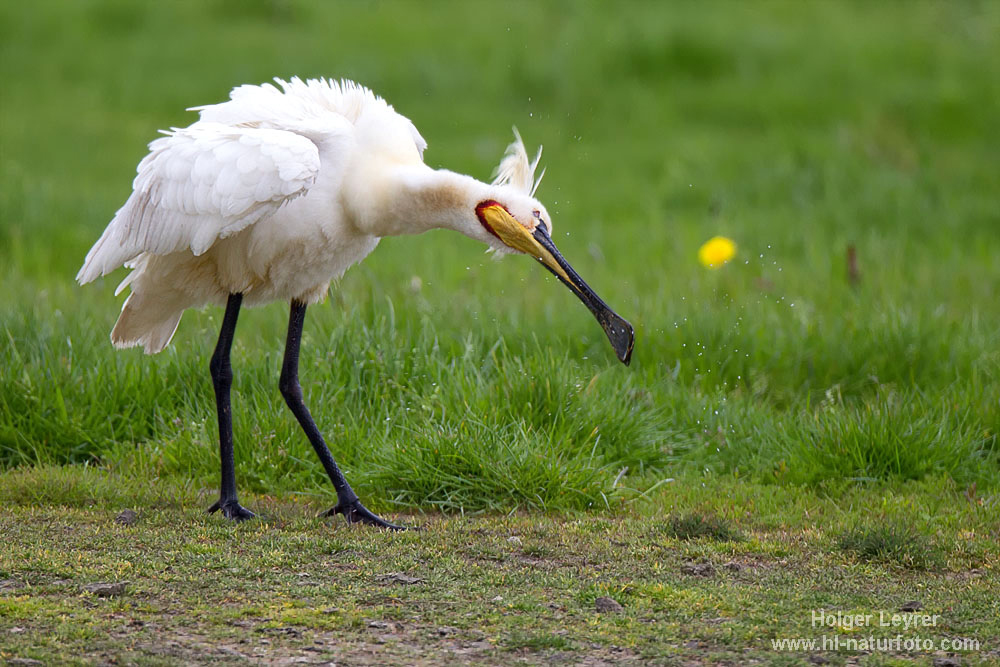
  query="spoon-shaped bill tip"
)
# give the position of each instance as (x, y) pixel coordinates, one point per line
(619, 331)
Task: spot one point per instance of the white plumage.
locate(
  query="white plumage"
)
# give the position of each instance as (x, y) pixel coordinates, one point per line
(273, 194)
(516, 171)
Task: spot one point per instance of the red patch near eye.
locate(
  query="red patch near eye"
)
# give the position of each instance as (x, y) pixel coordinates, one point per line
(482, 206)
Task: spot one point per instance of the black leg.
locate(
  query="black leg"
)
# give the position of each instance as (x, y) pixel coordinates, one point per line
(222, 380)
(347, 501)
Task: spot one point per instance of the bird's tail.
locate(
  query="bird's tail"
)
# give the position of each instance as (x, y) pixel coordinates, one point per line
(147, 320)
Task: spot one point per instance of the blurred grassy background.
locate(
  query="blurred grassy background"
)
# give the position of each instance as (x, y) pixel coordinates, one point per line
(444, 378)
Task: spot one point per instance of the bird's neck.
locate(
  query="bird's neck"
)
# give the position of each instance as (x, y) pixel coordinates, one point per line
(411, 199)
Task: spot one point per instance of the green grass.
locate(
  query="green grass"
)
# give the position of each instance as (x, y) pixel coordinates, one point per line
(795, 129)
(888, 542)
(695, 525)
(447, 382)
(488, 590)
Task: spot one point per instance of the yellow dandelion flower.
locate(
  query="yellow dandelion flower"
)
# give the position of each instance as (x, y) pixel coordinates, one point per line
(716, 252)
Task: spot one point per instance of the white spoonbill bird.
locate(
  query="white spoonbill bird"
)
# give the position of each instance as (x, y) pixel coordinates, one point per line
(275, 193)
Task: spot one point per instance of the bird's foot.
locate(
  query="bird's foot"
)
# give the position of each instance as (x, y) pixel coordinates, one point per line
(355, 512)
(231, 509)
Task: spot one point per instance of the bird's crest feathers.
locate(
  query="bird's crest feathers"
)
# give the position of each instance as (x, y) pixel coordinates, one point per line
(516, 170)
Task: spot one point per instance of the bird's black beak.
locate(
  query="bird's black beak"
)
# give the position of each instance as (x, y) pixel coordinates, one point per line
(618, 330)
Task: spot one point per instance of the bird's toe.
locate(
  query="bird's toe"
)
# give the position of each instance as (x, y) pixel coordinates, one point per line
(356, 513)
(232, 510)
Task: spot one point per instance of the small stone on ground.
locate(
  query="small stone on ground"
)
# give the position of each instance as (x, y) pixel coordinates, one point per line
(698, 569)
(106, 589)
(399, 578)
(127, 517)
(605, 604)
(947, 662)
(9, 584)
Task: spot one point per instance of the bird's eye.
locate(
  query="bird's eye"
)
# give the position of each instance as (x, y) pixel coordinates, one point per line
(537, 214)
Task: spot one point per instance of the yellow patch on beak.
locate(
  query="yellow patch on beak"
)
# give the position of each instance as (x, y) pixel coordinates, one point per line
(516, 236)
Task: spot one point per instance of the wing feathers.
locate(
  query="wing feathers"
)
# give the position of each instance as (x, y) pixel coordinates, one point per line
(239, 163)
(202, 183)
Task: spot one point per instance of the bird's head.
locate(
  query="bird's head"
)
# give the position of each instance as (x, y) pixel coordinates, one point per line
(517, 222)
